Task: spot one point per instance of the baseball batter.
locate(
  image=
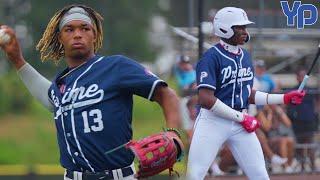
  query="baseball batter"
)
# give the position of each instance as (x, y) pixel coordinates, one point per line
(92, 98)
(225, 78)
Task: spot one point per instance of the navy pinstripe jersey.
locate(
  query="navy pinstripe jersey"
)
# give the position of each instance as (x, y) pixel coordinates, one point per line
(93, 111)
(228, 74)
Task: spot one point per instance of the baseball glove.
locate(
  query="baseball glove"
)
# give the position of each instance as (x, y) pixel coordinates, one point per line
(157, 153)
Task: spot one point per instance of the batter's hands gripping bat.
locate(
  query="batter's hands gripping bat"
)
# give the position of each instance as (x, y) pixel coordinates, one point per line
(306, 77)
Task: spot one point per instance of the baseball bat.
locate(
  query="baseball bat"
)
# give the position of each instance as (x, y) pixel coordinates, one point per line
(306, 77)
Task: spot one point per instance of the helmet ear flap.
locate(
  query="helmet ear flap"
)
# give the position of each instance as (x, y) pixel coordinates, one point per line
(222, 30)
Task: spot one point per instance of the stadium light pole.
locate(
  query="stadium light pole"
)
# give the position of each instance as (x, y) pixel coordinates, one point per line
(200, 34)
(261, 22)
(190, 15)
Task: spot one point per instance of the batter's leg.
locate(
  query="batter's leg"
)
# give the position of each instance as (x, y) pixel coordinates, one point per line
(208, 137)
(247, 151)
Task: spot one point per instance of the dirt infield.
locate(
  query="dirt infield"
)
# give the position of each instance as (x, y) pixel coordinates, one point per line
(314, 176)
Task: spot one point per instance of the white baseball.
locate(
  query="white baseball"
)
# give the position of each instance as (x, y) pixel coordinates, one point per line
(4, 37)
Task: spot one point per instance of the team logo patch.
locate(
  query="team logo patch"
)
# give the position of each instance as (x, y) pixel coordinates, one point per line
(203, 75)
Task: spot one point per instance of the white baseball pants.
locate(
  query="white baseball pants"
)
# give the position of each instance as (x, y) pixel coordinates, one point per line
(210, 132)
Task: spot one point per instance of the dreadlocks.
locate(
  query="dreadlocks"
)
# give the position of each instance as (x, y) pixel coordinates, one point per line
(49, 45)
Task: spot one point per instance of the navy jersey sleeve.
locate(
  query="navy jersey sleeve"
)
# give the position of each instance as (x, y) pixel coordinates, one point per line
(137, 79)
(206, 72)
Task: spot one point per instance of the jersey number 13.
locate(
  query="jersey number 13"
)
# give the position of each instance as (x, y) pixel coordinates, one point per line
(97, 120)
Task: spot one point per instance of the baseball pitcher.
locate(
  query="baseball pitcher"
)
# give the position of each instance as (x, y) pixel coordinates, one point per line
(92, 98)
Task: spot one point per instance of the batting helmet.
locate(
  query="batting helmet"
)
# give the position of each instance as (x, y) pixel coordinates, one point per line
(228, 17)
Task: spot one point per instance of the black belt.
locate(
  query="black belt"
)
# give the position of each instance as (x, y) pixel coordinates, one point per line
(105, 175)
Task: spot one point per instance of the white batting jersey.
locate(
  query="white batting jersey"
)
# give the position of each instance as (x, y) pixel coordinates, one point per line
(229, 75)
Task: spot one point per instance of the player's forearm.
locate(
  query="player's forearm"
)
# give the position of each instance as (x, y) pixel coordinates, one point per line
(171, 110)
(206, 98)
(208, 101)
(36, 84)
(222, 110)
(262, 98)
(252, 96)
(18, 62)
(169, 102)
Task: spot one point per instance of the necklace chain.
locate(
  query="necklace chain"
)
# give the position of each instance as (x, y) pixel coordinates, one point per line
(66, 74)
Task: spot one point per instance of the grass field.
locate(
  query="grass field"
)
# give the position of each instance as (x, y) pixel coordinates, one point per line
(31, 137)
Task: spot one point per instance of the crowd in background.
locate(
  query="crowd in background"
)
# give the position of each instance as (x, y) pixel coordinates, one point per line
(287, 134)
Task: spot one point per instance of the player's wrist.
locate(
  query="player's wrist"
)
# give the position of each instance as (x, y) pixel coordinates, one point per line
(175, 130)
(222, 110)
(245, 117)
(25, 67)
(19, 64)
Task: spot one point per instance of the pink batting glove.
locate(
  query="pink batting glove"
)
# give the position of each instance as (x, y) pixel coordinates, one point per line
(294, 97)
(249, 123)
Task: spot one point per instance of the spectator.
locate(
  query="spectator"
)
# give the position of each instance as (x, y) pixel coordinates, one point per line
(189, 113)
(185, 75)
(280, 137)
(265, 116)
(267, 84)
(305, 119)
(277, 126)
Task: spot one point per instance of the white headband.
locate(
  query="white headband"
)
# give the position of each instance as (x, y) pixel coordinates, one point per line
(75, 13)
